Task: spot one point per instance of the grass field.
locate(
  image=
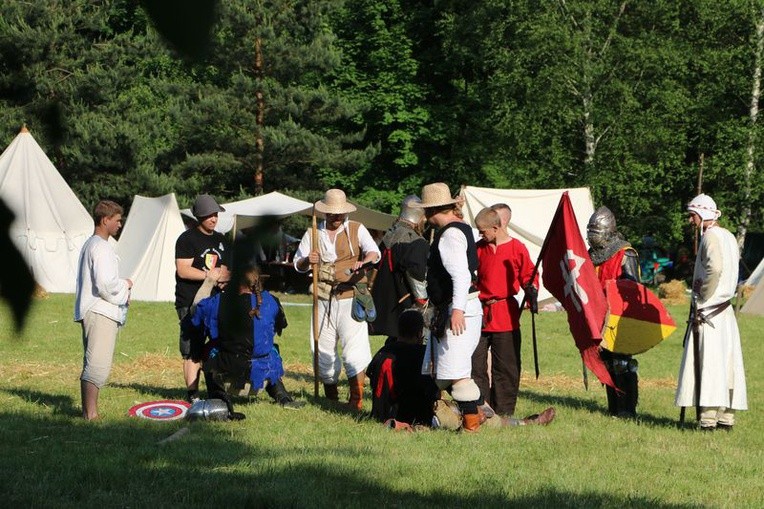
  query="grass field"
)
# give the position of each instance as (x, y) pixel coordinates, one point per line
(320, 456)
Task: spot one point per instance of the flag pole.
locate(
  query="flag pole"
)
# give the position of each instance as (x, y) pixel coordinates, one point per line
(314, 246)
(533, 277)
(585, 374)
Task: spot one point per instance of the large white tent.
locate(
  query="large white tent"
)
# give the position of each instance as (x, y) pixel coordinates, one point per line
(51, 224)
(146, 248)
(532, 214)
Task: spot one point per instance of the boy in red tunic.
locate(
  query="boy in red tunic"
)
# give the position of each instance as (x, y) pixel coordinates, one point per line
(504, 267)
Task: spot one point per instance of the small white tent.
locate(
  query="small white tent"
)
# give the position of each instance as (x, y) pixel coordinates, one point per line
(755, 303)
(146, 248)
(532, 214)
(51, 224)
(757, 275)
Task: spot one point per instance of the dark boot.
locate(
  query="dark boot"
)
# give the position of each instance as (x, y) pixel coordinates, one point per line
(623, 371)
(331, 393)
(627, 402)
(356, 391)
(612, 397)
(281, 396)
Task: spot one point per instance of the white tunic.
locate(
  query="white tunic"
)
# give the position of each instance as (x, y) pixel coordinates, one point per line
(721, 356)
(99, 287)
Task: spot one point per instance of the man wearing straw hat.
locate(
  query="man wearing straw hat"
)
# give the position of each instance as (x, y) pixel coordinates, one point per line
(715, 382)
(451, 276)
(344, 246)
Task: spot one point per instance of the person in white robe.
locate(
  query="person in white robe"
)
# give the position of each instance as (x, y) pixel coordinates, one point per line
(721, 372)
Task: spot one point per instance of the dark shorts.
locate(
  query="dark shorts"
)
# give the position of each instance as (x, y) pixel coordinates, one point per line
(191, 343)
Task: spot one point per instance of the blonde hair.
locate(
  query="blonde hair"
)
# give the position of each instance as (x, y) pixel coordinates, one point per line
(488, 218)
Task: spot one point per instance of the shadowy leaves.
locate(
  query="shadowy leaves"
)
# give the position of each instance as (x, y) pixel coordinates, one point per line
(184, 24)
(16, 282)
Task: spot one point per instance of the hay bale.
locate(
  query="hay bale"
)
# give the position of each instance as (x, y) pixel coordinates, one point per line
(673, 292)
(39, 292)
(746, 291)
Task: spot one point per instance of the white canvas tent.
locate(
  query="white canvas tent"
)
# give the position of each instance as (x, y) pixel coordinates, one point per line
(532, 213)
(755, 303)
(757, 275)
(244, 213)
(146, 248)
(371, 219)
(51, 224)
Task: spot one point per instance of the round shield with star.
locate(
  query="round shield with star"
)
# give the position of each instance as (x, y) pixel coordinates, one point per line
(165, 410)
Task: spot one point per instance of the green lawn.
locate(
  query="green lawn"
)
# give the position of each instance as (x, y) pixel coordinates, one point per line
(320, 456)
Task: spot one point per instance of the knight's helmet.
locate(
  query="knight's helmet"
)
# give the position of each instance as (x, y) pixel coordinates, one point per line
(411, 213)
(209, 410)
(601, 228)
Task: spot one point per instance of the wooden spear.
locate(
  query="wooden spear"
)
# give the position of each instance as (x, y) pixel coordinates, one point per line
(314, 247)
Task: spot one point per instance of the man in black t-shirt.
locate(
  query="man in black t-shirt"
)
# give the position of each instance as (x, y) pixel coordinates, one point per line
(199, 252)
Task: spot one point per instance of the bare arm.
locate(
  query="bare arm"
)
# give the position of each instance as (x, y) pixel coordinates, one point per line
(185, 270)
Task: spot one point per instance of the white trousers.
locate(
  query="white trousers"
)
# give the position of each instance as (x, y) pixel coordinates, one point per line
(337, 329)
(453, 354)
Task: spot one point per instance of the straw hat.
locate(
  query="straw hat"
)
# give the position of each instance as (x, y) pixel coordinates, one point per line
(435, 195)
(335, 202)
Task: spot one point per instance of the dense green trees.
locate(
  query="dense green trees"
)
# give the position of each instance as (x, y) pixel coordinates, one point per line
(380, 96)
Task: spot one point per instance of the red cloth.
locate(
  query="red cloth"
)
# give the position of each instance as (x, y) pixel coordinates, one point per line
(501, 275)
(385, 380)
(611, 268)
(570, 276)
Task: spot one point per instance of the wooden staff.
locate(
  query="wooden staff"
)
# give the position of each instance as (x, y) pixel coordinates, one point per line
(314, 247)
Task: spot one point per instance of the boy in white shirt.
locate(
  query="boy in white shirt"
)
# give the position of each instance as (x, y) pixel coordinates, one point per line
(100, 303)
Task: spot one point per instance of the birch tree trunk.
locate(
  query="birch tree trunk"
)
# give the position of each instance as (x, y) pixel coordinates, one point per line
(582, 85)
(750, 166)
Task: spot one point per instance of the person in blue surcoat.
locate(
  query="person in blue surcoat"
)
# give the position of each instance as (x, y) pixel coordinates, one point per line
(241, 326)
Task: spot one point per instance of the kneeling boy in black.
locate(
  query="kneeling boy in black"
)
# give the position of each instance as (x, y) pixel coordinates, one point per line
(399, 389)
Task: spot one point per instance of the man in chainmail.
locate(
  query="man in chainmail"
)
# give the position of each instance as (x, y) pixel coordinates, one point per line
(614, 258)
(400, 281)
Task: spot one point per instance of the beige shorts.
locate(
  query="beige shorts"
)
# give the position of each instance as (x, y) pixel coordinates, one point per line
(99, 337)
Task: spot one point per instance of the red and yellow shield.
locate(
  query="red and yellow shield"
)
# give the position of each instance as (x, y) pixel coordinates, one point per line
(638, 320)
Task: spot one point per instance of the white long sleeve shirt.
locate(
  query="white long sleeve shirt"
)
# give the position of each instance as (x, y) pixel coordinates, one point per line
(453, 242)
(328, 250)
(99, 287)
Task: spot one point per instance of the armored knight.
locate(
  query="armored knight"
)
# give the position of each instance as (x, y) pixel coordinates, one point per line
(614, 258)
(400, 281)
